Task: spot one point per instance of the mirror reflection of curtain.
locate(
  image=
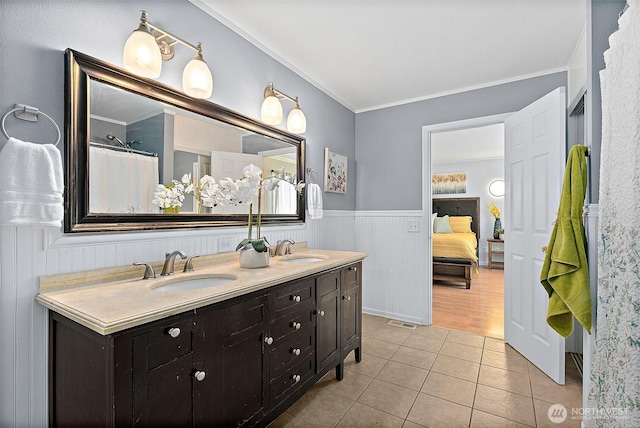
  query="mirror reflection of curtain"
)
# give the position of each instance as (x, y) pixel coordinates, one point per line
(121, 182)
(283, 200)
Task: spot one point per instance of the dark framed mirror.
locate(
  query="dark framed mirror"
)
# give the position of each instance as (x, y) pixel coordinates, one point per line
(125, 135)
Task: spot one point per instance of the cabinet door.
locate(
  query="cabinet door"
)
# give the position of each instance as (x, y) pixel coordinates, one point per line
(240, 361)
(328, 320)
(351, 301)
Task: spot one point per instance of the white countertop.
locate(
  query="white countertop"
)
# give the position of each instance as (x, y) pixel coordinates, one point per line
(114, 305)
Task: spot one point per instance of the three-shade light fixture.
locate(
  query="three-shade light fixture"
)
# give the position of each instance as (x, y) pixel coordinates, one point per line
(271, 111)
(149, 45)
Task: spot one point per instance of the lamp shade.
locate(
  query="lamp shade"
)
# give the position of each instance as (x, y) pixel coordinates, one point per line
(496, 188)
(296, 121)
(197, 80)
(271, 111)
(142, 54)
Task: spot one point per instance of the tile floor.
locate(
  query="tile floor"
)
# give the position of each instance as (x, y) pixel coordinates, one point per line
(434, 377)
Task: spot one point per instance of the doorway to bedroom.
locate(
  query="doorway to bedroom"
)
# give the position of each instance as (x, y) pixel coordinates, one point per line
(465, 160)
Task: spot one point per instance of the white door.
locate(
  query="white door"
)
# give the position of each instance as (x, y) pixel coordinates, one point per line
(534, 165)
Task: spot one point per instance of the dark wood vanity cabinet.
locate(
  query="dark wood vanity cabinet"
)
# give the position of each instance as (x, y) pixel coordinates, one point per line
(236, 363)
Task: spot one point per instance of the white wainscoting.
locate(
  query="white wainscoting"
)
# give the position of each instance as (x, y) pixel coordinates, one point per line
(394, 273)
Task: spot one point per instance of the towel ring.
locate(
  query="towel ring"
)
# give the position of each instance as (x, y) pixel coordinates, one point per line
(34, 113)
(311, 172)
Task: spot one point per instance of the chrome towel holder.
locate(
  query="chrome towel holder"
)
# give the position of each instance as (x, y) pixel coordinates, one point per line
(28, 113)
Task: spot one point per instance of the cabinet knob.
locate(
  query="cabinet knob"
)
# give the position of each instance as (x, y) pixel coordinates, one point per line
(295, 298)
(296, 325)
(268, 340)
(354, 268)
(295, 351)
(296, 378)
(199, 375)
(346, 297)
(321, 313)
(174, 332)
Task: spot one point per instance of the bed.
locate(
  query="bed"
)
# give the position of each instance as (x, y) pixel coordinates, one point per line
(455, 255)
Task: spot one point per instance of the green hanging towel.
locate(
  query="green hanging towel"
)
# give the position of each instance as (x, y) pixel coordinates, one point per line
(565, 274)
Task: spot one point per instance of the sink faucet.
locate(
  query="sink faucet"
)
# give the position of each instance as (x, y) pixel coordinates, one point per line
(168, 268)
(284, 247)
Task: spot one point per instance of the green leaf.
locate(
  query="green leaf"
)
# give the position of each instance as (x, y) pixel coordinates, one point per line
(259, 246)
(242, 243)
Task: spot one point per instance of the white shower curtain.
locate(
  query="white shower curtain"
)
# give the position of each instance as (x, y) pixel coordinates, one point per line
(121, 182)
(614, 395)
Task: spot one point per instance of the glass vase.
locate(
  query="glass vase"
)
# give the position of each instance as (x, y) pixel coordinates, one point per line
(172, 210)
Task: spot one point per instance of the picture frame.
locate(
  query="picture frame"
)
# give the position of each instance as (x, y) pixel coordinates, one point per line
(335, 171)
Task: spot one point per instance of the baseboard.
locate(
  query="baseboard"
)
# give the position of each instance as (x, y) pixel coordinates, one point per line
(413, 320)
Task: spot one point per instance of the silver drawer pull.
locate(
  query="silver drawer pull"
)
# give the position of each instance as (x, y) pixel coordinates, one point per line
(295, 298)
(174, 332)
(296, 378)
(268, 340)
(296, 325)
(199, 375)
(321, 313)
(295, 351)
(346, 297)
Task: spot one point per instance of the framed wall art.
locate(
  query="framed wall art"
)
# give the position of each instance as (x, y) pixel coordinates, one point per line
(335, 171)
(449, 183)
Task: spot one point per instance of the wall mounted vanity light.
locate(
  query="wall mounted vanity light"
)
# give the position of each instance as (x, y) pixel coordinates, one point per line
(496, 188)
(271, 111)
(149, 45)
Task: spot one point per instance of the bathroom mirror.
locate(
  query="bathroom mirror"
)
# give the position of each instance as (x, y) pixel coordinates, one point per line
(125, 134)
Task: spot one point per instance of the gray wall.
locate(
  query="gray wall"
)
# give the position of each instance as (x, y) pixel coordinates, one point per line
(389, 141)
(34, 35)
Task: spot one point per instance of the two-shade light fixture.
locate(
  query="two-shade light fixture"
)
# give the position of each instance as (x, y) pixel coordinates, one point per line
(149, 45)
(271, 111)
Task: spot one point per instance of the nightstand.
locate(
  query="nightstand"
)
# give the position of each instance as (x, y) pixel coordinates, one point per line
(496, 253)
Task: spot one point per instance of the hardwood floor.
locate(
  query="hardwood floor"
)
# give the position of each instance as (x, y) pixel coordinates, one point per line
(478, 310)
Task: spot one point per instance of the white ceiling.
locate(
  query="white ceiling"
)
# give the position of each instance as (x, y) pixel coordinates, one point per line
(484, 142)
(374, 53)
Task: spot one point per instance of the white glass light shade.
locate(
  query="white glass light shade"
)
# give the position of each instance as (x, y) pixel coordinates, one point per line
(142, 54)
(296, 121)
(197, 80)
(271, 111)
(496, 188)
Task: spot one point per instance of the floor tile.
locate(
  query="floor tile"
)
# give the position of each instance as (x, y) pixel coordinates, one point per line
(379, 348)
(363, 416)
(351, 386)
(424, 343)
(569, 395)
(390, 398)
(391, 334)
(464, 352)
(465, 338)
(485, 420)
(507, 361)
(544, 421)
(450, 388)
(505, 379)
(498, 345)
(320, 408)
(456, 367)
(370, 365)
(505, 404)
(409, 424)
(432, 411)
(404, 375)
(431, 331)
(414, 357)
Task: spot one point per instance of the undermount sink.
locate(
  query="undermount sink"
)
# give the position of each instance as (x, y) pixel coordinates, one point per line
(303, 259)
(195, 284)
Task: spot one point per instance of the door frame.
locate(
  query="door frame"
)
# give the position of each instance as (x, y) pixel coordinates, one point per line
(427, 309)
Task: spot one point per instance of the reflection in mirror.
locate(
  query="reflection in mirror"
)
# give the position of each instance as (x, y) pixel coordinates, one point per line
(140, 136)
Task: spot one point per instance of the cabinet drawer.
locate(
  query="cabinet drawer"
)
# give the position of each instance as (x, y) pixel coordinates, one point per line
(243, 317)
(328, 283)
(291, 349)
(351, 275)
(290, 319)
(294, 294)
(285, 384)
(497, 247)
(162, 346)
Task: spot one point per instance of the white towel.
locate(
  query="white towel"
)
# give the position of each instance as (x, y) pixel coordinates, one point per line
(314, 201)
(31, 184)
